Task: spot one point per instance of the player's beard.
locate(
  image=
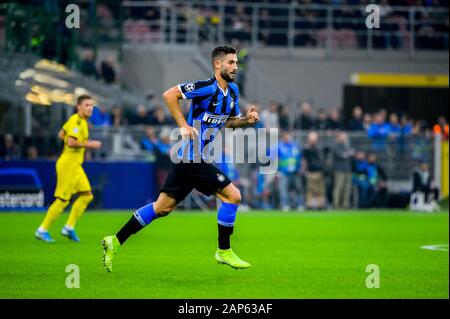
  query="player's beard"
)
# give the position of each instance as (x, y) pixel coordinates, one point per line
(226, 76)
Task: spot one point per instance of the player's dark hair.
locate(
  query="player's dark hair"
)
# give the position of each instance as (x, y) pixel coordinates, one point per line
(83, 97)
(221, 51)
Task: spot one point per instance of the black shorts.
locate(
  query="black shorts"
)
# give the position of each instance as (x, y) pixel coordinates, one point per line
(184, 177)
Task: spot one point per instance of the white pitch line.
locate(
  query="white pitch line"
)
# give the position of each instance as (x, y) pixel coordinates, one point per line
(440, 247)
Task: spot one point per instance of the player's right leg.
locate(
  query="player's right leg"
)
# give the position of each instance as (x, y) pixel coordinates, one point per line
(230, 197)
(141, 218)
(63, 193)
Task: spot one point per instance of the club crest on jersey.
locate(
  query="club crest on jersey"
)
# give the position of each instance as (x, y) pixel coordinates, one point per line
(220, 177)
(214, 118)
(189, 87)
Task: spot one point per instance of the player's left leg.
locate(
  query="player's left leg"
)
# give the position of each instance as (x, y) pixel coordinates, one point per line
(78, 208)
(82, 187)
(141, 218)
(230, 197)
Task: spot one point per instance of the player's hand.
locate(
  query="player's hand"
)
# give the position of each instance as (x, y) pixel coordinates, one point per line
(188, 132)
(252, 116)
(94, 144)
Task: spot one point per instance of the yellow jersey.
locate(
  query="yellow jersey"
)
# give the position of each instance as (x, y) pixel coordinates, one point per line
(77, 127)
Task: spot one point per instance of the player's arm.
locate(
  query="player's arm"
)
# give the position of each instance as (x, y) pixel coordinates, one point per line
(61, 134)
(171, 97)
(250, 118)
(91, 144)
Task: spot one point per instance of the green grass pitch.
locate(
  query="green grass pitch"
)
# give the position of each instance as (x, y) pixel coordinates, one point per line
(293, 255)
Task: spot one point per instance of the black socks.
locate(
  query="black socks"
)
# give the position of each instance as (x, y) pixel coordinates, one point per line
(133, 226)
(130, 228)
(224, 236)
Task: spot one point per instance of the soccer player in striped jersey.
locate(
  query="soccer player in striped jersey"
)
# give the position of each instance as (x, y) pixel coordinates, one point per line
(215, 104)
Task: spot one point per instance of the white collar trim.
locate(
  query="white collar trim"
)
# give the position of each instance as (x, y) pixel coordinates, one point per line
(223, 92)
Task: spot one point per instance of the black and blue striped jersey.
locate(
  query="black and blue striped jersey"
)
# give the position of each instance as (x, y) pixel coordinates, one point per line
(211, 106)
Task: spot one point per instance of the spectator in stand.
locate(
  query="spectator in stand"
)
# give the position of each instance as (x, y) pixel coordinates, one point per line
(356, 122)
(405, 131)
(270, 116)
(383, 114)
(87, 66)
(32, 153)
(315, 181)
(305, 22)
(419, 143)
(100, 117)
(283, 117)
(161, 149)
(289, 179)
(334, 121)
(263, 191)
(107, 70)
(305, 120)
(378, 194)
(441, 128)
(117, 118)
(264, 26)
(367, 121)
(321, 121)
(423, 181)
(394, 131)
(378, 132)
(141, 117)
(158, 117)
(406, 125)
(9, 150)
(342, 159)
(360, 178)
(394, 126)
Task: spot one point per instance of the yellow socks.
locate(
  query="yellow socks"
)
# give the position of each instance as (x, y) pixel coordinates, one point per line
(78, 208)
(53, 212)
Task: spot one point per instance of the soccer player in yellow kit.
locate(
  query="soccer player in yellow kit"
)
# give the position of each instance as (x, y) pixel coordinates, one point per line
(71, 178)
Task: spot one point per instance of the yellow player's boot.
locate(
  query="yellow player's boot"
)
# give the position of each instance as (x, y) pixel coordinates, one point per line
(228, 257)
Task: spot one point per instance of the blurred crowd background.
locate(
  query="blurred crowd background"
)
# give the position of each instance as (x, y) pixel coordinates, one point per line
(328, 157)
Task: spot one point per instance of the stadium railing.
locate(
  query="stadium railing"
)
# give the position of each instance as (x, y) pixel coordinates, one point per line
(330, 27)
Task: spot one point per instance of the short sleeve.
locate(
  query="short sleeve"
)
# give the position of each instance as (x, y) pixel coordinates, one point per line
(190, 90)
(72, 129)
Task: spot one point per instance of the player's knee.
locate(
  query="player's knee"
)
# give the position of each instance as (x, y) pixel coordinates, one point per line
(88, 197)
(235, 197)
(62, 203)
(166, 210)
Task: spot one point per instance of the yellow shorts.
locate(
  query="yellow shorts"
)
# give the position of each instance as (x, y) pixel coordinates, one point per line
(70, 179)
